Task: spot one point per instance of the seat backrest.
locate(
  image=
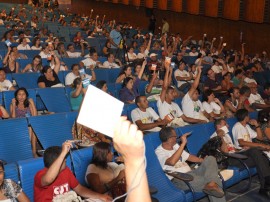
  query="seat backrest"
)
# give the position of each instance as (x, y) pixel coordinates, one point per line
(11, 172)
(70, 61)
(81, 159)
(1, 98)
(156, 177)
(198, 137)
(9, 95)
(15, 144)
(54, 99)
(48, 130)
(27, 80)
(27, 171)
(113, 74)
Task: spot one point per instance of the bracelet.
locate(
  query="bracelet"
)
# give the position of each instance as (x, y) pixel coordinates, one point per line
(258, 126)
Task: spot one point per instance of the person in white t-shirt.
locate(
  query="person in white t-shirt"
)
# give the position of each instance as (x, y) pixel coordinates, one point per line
(212, 106)
(183, 77)
(192, 106)
(76, 73)
(249, 78)
(5, 85)
(145, 51)
(72, 53)
(255, 99)
(145, 117)
(91, 62)
(217, 68)
(23, 44)
(169, 109)
(243, 133)
(110, 63)
(173, 157)
(193, 51)
(256, 158)
(130, 56)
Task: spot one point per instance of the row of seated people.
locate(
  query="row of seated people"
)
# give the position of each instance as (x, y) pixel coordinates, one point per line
(168, 146)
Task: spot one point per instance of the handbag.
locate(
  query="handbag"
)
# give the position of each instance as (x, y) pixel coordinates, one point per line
(213, 148)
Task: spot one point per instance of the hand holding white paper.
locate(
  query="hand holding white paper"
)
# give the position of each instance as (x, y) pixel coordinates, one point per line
(100, 111)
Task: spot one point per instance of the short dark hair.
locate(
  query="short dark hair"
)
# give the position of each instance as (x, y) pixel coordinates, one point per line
(238, 71)
(217, 122)
(100, 84)
(50, 155)
(241, 114)
(45, 69)
(263, 116)
(165, 133)
(138, 99)
(231, 90)
(244, 89)
(266, 86)
(100, 152)
(72, 66)
(207, 93)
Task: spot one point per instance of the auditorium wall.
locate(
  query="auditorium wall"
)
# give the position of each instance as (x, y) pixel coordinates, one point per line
(255, 35)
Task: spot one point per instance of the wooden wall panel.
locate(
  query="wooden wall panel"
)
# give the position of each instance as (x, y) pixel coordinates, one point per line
(149, 3)
(177, 5)
(193, 6)
(162, 4)
(115, 1)
(254, 10)
(136, 2)
(125, 2)
(211, 8)
(231, 9)
(254, 35)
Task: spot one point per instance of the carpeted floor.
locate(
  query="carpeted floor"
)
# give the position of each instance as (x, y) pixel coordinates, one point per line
(249, 196)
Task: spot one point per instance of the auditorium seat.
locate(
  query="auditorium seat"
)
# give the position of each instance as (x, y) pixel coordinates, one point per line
(27, 80)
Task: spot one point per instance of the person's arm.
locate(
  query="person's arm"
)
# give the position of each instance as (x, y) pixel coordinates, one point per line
(32, 107)
(224, 67)
(196, 82)
(192, 120)
(243, 52)
(212, 45)
(244, 143)
(186, 41)
(254, 123)
(87, 193)
(184, 78)
(194, 159)
(95, 183)
(78, 90)
(5, 60)
(5, 114)
(23, 197)
(120, 78)
(147, 126)
(151, 84)
(220, 45)
(165, 82)
(128, 141)
(57, 63)
(260, 106)
(149, 42)
(220, 104)
(41, 85)
(82, 49)
(17, 67)
(142, 69)
(12, 108)
(26, 69)
(176, 156)
(53, 171)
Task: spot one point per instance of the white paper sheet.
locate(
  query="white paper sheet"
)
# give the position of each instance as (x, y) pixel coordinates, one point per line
(100, 111)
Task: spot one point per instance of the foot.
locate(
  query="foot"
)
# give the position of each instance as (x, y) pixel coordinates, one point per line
(213, 189)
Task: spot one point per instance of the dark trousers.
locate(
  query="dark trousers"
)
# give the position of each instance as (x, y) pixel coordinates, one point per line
(256, 158)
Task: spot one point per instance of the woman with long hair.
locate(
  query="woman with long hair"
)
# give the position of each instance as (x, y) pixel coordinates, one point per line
(10, 191)
(34, 66)
(9, 62)
(23, 106)
(103, 174)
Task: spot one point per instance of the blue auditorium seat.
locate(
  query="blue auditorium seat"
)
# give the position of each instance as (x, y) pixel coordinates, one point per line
(156, 177)
(28, 169)
(70, 61)
(9, 95)
(15, 144)
(113, 74)
(81, 159)
(101, 74)
(54, 99)
(27, 80)
(1, 98)
(48, 130)
(11, 172)
(142, 87)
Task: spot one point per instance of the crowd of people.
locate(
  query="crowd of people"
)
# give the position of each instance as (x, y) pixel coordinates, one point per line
(218, 84)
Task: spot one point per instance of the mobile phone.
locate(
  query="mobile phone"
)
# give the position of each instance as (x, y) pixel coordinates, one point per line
(189, 133)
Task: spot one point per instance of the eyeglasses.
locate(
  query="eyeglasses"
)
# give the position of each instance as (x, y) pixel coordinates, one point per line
(174, 136)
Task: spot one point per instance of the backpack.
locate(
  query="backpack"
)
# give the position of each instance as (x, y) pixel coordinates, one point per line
(213, 148)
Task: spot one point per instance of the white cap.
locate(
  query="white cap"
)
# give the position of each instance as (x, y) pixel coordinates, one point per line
(153, 55)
